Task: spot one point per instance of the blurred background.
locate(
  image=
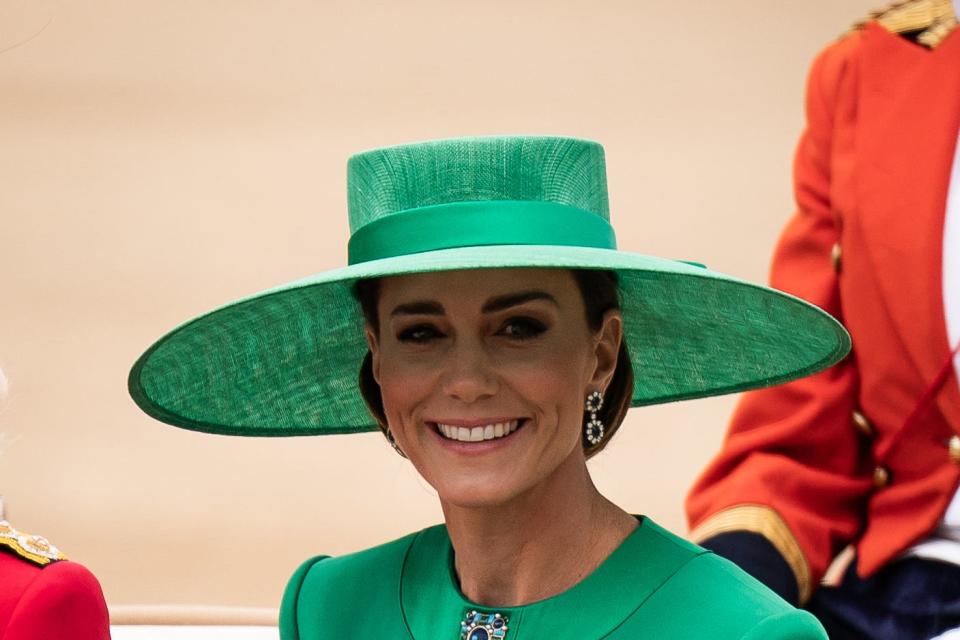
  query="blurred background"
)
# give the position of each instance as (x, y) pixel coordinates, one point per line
(161, 159)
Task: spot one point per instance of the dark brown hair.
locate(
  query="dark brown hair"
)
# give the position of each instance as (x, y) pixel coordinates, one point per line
(599, 292)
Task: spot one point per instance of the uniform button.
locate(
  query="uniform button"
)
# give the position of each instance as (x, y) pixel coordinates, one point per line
(836, 256)
(862, 424)
(953, 446)
(881, 477)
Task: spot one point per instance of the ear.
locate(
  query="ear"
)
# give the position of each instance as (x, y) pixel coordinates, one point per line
(374, 346)
(606, 349)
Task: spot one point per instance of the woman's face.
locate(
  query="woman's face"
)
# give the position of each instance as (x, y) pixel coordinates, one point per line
(484, 374)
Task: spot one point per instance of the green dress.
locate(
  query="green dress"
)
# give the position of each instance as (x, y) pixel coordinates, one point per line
(655, 585)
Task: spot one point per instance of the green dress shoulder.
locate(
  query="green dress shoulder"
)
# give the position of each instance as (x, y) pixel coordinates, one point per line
(654, 585)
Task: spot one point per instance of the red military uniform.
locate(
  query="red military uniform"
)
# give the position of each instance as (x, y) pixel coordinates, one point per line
(46, 597)
(823, 462)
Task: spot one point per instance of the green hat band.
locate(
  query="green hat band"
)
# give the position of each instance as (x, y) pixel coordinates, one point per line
(479, 223)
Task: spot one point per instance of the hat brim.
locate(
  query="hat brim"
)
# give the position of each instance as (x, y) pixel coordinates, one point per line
(286, 362)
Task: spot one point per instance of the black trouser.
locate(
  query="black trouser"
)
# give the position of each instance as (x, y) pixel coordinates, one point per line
(908, 599)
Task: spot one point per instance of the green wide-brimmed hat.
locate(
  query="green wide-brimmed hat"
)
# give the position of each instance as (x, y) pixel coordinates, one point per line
(286, 361)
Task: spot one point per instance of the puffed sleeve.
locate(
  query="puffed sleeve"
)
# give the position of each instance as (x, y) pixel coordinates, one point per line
(64, 600)
(289, 621)
(794, 625)
(792, 468)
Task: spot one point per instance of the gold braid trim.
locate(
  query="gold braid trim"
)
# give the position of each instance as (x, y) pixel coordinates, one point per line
(760, 519)
(931, 20)
(36, 549)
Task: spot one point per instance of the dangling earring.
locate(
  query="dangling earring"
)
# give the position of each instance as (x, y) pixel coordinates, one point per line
(593, 430)
(393, 443)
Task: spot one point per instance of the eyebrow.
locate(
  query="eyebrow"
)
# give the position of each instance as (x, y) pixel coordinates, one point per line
(418, 308)
(499, 303)
(513, 299)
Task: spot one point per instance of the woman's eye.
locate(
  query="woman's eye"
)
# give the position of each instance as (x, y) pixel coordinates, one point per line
(522, 328)
(418, 334)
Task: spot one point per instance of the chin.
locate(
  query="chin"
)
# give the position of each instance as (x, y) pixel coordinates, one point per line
(473, 494)
(475, 501)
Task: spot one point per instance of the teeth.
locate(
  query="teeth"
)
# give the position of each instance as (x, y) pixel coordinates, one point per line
(478, 434)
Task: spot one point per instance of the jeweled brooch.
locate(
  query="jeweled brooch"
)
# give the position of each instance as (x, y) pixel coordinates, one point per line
(483, 626)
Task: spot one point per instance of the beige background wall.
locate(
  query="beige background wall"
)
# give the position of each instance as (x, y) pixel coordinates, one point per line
(159, 159)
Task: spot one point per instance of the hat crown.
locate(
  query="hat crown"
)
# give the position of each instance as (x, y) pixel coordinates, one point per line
(565, 171)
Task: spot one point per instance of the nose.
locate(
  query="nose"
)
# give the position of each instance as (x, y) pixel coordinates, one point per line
(468, 375)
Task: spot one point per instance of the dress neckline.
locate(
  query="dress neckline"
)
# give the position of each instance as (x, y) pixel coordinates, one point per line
(433, 605)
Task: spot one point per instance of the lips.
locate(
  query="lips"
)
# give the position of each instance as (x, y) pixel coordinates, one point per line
(491, 431)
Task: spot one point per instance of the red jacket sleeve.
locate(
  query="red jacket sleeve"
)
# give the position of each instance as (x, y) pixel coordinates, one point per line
(792, 466)
(63, 601)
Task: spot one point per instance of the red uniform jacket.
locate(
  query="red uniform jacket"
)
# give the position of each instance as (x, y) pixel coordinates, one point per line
(816, 464)
(58, 601)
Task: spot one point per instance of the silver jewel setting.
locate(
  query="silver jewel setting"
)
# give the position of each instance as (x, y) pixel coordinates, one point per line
(593, 431)
(478, 625)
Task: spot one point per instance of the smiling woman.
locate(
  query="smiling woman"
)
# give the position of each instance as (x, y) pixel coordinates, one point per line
(598, 291)
(488, 326)
(464, 354)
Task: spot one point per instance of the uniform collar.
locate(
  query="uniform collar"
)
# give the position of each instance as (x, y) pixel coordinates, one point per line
(433, 605)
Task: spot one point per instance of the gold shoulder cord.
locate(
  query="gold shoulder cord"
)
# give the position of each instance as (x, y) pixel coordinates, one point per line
(929, 20)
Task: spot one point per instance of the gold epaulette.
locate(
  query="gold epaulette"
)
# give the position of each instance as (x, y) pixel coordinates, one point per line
(36, 549)
(926, 21)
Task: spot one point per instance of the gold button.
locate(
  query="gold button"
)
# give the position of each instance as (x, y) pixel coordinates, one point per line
(862, 424)
(836, 255)
(881, 477)
(953, 446)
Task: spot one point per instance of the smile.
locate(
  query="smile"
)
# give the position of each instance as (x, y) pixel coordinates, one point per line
(480, 433)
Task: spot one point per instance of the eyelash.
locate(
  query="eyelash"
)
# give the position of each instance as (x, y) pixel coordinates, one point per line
(423, 333)
(531, 328)
(410, 334)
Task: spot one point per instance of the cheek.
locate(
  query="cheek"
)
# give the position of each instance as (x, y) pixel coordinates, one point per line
(553, 380)
(403, 386)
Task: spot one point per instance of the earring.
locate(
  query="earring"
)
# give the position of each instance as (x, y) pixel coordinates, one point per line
(593, 431)
(393, 443)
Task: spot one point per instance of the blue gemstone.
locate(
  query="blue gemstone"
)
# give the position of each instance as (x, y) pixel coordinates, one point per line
(479, 634)
(498, 623)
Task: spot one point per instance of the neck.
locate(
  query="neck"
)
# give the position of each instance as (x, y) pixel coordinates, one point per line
(509, 554)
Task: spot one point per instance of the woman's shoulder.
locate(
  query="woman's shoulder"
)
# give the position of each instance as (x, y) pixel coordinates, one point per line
(730, 598)
(391, 554)
(325, 591)
(729, 603)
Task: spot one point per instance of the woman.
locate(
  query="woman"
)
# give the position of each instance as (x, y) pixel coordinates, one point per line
(487, 325)
(42, 594)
